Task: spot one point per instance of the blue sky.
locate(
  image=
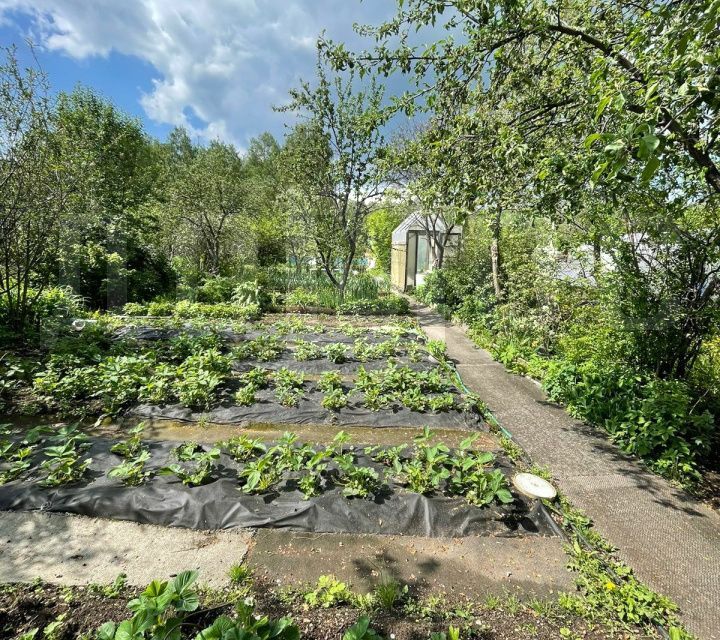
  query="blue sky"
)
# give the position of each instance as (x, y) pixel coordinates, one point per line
(216, 67)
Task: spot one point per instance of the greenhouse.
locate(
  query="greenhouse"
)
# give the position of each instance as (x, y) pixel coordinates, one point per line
(412, 248)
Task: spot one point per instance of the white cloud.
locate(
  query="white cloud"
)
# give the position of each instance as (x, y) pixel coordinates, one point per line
(227, 62)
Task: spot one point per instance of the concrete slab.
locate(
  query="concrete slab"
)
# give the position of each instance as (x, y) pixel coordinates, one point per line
(671, 540)
(77, 550)
(472, 567)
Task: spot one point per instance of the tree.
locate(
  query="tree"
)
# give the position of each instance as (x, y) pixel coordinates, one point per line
(32, 190)
(613, 109)
(380, 225)
(206, 204)
(334, 161)
(105, 249)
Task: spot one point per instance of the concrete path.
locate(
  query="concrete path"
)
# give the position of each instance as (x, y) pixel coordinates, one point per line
(472, 567)
(671, 540)
(71, 550)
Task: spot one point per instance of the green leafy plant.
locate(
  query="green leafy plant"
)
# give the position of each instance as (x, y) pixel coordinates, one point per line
(336, 352)
(241, 448)
(329, 381)
(388, 593)
(305, 350)
(159, 611)
(335, 400)
(131, 447)
(328, 592)
(131, 471)
(287, 378)
(200, 464)
(245, 396)
(260, 475)
(64, 463)
(361, 631)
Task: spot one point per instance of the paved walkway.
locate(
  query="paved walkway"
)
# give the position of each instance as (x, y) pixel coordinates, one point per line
(65, 549)
(671, 540)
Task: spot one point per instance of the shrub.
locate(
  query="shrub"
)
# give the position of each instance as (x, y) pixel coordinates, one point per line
(387, 305)
(651, 418)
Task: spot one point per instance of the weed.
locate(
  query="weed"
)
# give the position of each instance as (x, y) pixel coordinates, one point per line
(239, 573)
(388, 593)
(328, 592)
(511, 449)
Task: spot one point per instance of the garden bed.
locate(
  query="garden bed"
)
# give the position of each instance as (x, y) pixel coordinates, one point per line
(424, 489)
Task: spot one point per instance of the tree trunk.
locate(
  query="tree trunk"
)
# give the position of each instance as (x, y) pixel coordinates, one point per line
(495, 254)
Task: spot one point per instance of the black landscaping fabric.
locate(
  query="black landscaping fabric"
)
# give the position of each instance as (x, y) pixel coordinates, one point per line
(310, 411)
(165, 501)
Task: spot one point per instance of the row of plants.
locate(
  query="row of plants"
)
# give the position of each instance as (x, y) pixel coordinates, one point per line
(422, 468)
(187, 309)
(173, 610)
(419, 391)
(266, 348)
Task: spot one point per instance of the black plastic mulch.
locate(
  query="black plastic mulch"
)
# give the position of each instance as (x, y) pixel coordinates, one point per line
(165, 501)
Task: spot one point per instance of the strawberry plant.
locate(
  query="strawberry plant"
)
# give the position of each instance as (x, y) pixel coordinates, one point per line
(484, 487)
(257, 376)
(18, 459)
(245, 396)
(335, 400)
(258, 476)
(287, 378)
(329, 381)
(132, 446)
(441, 402)
(388, 456)
(159, 611)
(311, 479)
(288, 397)
(242, 448)
(336, 352)
(63, 463)
(199, 467)
(358, 482)
(131, 471)
(414, 399)
(305, 350)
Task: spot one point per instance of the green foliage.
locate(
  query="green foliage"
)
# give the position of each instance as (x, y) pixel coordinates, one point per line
(158, 612)
(305, 350)
(361, 631)
(389, 593)
(329, 381)
(380, 224)
(334, 399)
(64, 462)
(336, 352)
(654, 419)
(198, 466)
(242, 448)
(131, 471)
(328, 592)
